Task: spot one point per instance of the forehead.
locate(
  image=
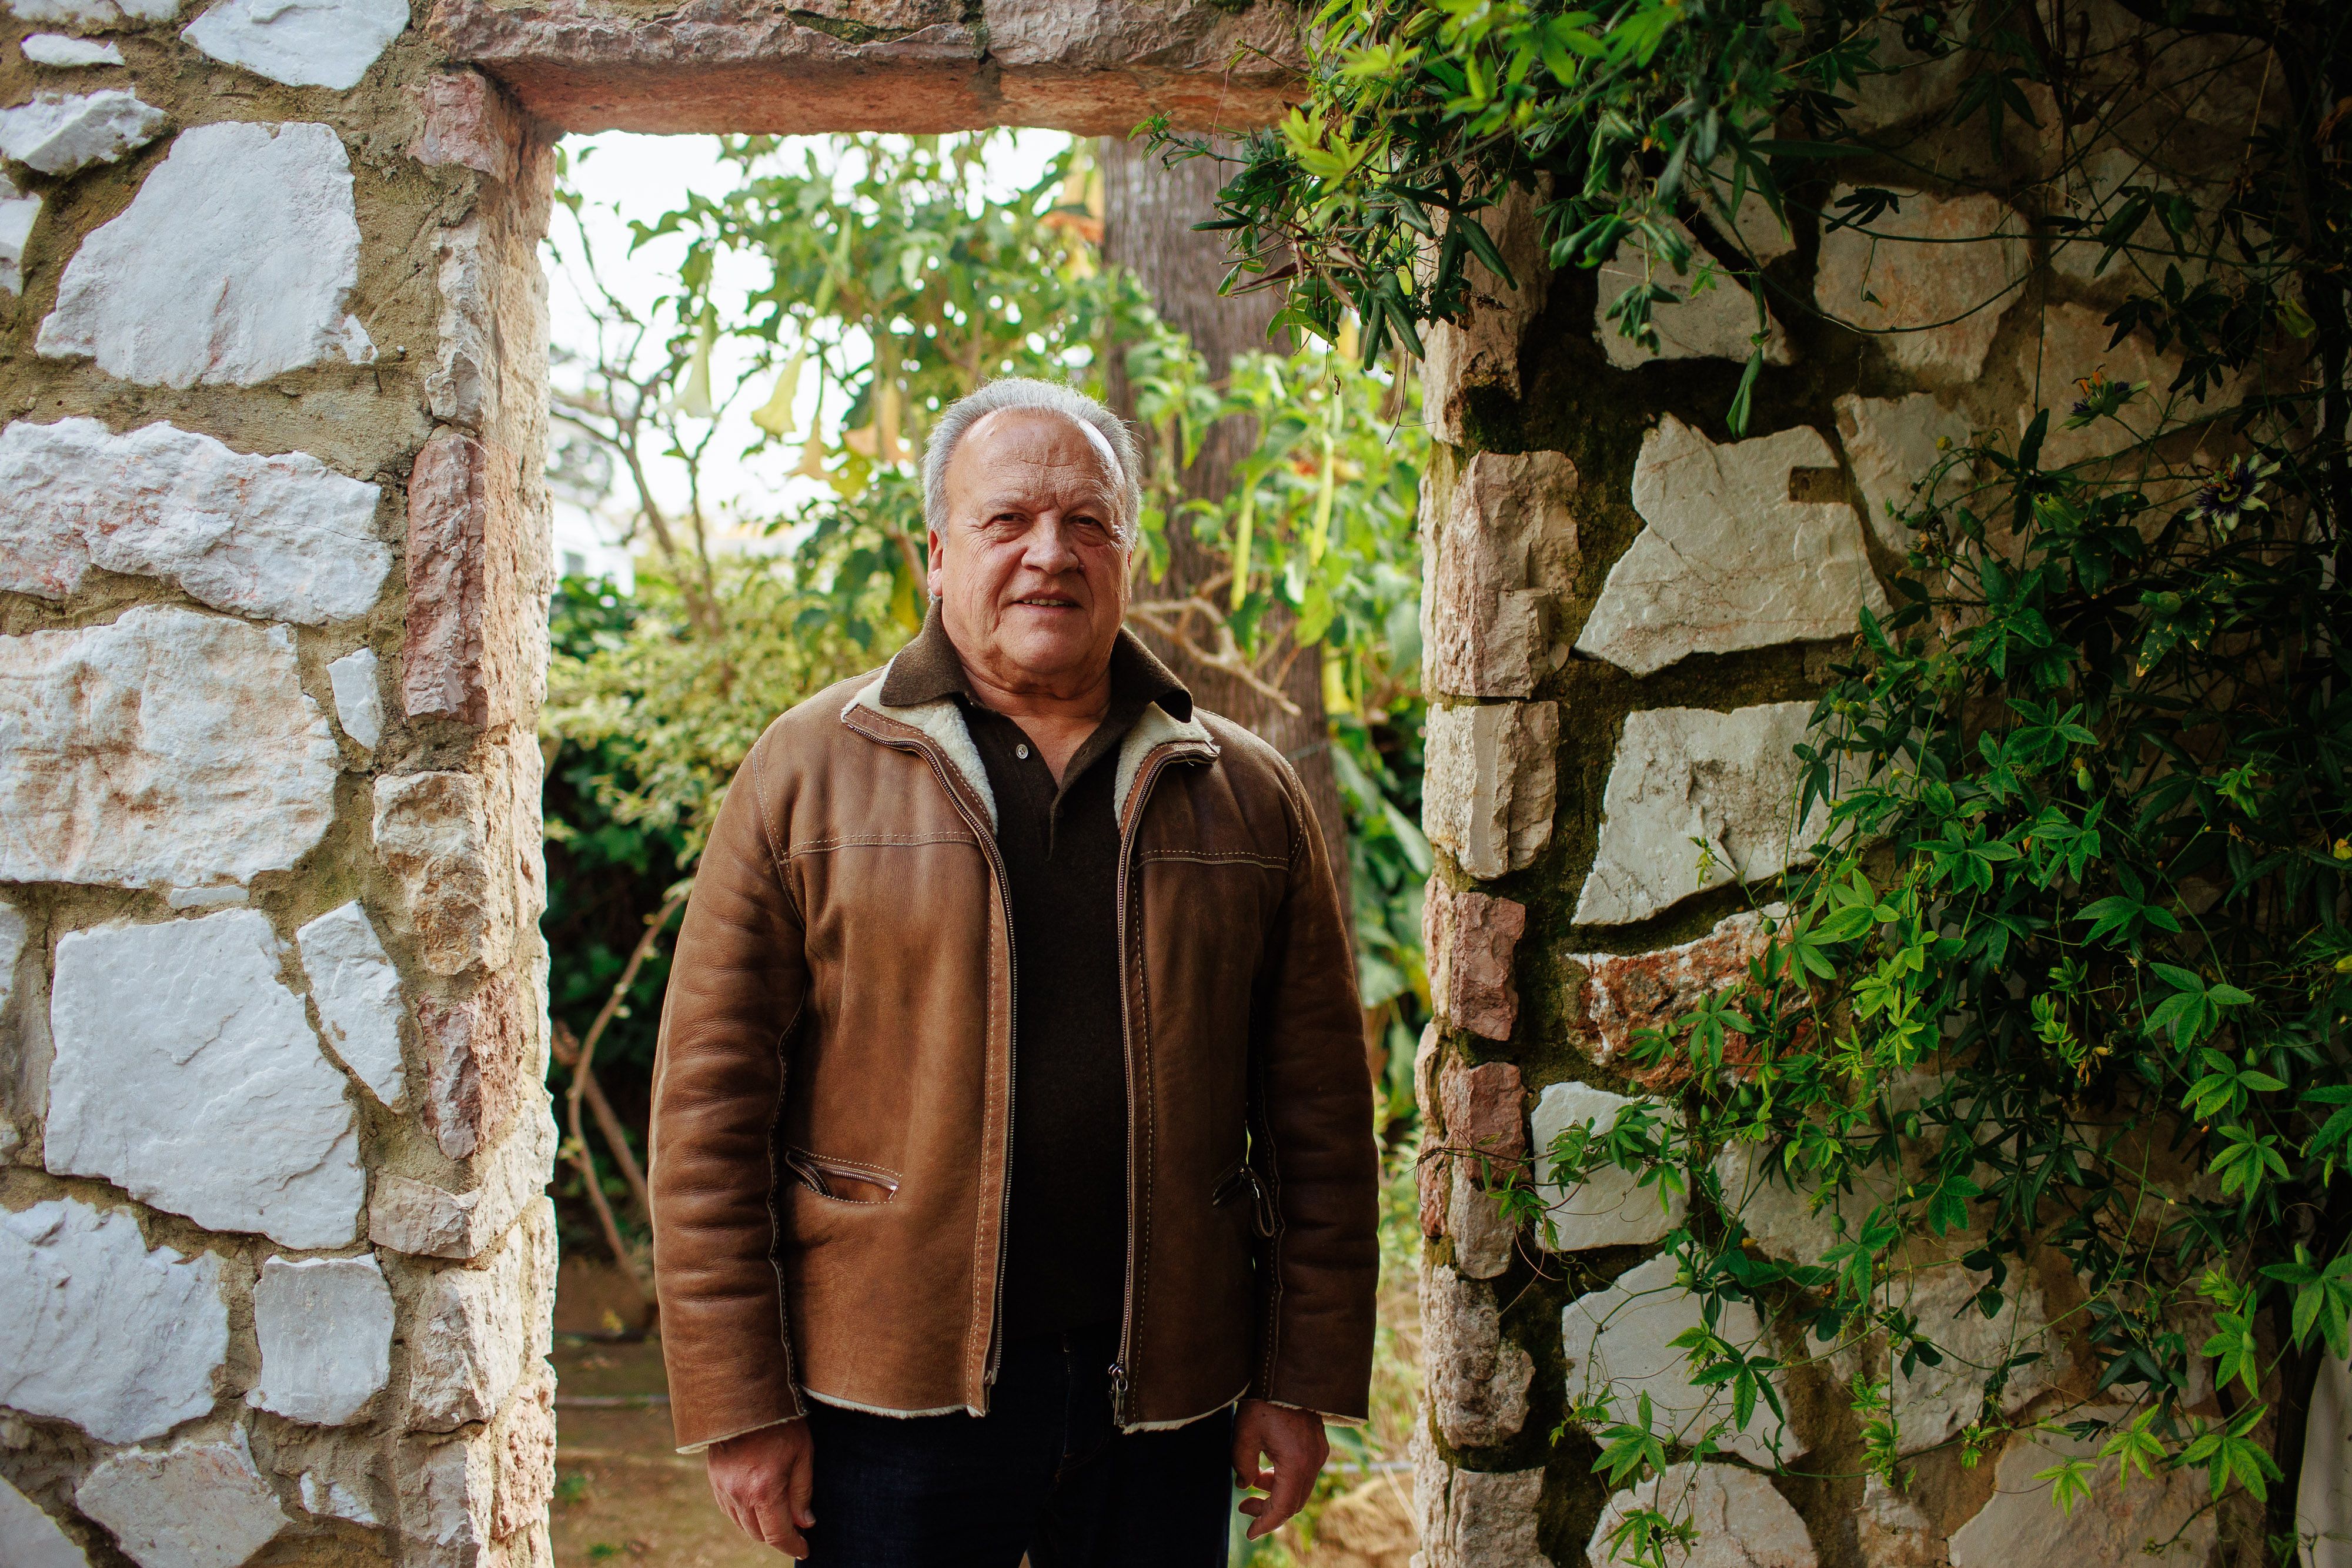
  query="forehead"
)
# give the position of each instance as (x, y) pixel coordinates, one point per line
(1033, 449)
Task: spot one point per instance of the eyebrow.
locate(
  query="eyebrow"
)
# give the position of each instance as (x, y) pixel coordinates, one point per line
(996, 503)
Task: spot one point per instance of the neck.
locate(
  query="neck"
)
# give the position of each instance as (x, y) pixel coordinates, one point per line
(1083, 700)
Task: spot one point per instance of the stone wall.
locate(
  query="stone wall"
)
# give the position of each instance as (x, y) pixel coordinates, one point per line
(275, 1267)
(1628, 611)
(275, 1264)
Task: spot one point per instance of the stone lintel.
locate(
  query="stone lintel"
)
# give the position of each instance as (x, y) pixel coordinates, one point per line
(914, 67)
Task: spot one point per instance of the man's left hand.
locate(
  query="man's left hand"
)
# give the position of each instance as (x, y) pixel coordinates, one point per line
(1294, 1441)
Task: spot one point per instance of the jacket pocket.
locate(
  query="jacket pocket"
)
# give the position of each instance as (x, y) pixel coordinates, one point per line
(843, 1181)
(1243, 1182)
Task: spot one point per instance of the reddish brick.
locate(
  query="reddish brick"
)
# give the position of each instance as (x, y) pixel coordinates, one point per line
(468, 122)
(479, 1053)
(1472, 938)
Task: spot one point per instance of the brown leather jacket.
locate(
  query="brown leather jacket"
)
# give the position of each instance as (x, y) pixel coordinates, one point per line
(832, 1103)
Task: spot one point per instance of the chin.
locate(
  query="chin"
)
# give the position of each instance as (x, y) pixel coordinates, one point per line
(1050, 658)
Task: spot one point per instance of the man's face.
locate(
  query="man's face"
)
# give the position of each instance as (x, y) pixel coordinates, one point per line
(1029, 569)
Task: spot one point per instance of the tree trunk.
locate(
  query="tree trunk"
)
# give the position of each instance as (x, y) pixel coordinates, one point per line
(1149, 211)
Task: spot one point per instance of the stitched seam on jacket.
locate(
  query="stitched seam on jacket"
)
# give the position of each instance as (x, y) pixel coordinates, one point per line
(1299, 818)
(775, 865)
(1143, 1213)
(775, 1222)
(838, 841)
(852, 1165)
(1209, 857)
(983, 1281)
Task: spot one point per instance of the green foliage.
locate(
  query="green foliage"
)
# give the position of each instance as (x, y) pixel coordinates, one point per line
(2069, 971)
(888, 284)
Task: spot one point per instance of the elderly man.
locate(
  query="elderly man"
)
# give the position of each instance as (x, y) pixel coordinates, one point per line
(1012, 1164)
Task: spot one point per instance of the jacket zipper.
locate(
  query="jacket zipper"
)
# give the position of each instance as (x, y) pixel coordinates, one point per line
(1012, 1037)
(1121, 1372)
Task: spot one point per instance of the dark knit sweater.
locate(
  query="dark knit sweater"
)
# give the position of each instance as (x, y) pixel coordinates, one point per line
(1065, 1265)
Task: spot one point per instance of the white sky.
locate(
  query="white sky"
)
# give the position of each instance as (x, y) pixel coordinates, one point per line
(623, 176)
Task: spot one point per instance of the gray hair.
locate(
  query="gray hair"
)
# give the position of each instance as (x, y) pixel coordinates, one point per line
(1020, 391)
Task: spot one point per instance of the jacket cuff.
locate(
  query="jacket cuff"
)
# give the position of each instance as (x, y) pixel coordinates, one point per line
(709, 1443)
(1327, 1418)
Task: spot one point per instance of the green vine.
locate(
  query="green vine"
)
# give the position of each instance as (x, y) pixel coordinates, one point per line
(2067, 976)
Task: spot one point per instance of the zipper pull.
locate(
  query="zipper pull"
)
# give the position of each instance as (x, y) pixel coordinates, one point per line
(1118, 1391)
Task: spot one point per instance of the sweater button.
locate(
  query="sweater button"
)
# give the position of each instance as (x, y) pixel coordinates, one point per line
(1022, 752)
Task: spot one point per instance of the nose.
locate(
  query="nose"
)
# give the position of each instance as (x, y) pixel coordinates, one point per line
(1048, 548)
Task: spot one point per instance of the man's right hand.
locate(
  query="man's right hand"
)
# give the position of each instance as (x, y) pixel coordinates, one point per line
(762, 1481)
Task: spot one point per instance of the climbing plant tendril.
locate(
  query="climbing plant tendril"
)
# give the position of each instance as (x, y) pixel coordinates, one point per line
(2066, 979)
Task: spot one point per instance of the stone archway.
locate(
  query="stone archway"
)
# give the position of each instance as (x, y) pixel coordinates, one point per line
(274, 1262)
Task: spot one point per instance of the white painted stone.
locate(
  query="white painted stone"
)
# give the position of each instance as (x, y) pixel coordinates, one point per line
(1906, 86)
(1933, 1403)
(1892, 445)
(325, 1496)
(1727, 561)
(30, 1538)
(1726, 780)
(1472, 1518)
(1711, 323)
(58, 133)
(428, 1221)
(231, 266)
(2092, 190)
(358, 701)
(97, 1330)
(1478, 1380)
(1609, 1207)
(282, 537)
(2022, 1526)
(357, 992)
(1930, 282)
(93, 16)
(167, 748)
(1619, 1344)
(483, 1329)
(18, 212)
(303, 43)
(1741, 1522)
(2072, 345)
(1782, 1220)
(1753, 227)
(480, 1500)
(199, 1505)
(1891, 1532)
(155, 1023)
(325, 1328)
(2323, 1495)
(1488, 795)
(65, 53)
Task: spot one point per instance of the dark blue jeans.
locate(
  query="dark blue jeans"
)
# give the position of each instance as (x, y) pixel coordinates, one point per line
(1043, 1473)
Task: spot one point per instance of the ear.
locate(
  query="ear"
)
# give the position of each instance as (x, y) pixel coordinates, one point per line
(936, 577)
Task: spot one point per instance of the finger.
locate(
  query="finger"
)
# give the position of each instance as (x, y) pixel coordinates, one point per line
(776, 1530)
(1246, 1458)
(800, 1485)
(1285, 1498)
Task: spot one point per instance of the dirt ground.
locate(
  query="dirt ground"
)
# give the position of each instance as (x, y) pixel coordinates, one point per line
(621, 1495)
(624, 1497)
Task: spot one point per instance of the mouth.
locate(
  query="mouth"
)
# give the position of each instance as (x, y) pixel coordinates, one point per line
(1046, 602)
